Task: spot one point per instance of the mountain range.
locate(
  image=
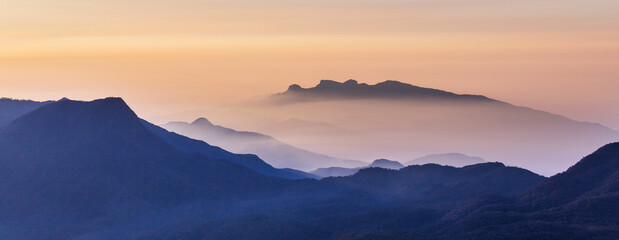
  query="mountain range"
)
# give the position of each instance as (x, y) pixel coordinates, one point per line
(447, 159)
(341, 171)
(329, 90)
(481, 201)
(399, 121)
(95, 170)
(269, 149)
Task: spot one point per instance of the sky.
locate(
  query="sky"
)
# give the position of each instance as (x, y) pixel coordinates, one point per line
(163, 57)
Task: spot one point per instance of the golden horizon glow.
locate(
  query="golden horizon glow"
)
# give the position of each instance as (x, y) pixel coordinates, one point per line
(172, 56)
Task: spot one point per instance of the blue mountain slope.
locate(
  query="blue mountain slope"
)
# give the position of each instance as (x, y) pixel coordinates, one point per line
(11, 109)
(250, 161)
(72, 158)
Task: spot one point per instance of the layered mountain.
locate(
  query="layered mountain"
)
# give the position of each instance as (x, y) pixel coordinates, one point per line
(70, 160)
(11, 109)
(429, 182)
(250, 161)
(447, 159)
(14, 108)
(396, 120)
(269, 149)
(374, 202)
(481, 201)
(94, 170)
(341, 172)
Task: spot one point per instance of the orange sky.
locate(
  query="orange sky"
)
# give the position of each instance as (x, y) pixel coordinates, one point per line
(171, 56)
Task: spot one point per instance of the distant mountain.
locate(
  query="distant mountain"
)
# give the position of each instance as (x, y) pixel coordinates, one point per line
(250, 161)
(351, 89)
(334, 172)
(11, 109)
(341, 172)
(73, 160)
(447, 159)
(274, 152)
(397, 120)
(385, 163)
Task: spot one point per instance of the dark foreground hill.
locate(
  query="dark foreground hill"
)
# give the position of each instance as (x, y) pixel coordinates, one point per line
(580, 203)
(483, 201)
(11, 109)
(375, 200)
(70, 160)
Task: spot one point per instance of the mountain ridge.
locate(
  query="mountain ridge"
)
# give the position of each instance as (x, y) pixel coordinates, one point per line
(351, 89)
(101, 150)
(271, 150)
(343, 172)
(95, 170)
(250, 161)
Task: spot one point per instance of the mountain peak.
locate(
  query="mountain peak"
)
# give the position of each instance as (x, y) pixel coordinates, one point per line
(75, 116)
(294, 87)
(385, 163)
(351, 82)
(202, 121)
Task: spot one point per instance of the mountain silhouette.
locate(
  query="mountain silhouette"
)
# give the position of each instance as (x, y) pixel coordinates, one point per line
(385, 163)
(250, 161)
(341, 172)
(269, 149)
(373, 202)
(77, 159)
(578, 203)
(94, 170)
(431, 181)
(351, 89)
(15, 108)
(397, 120)
(447, 159)
(591, 186)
